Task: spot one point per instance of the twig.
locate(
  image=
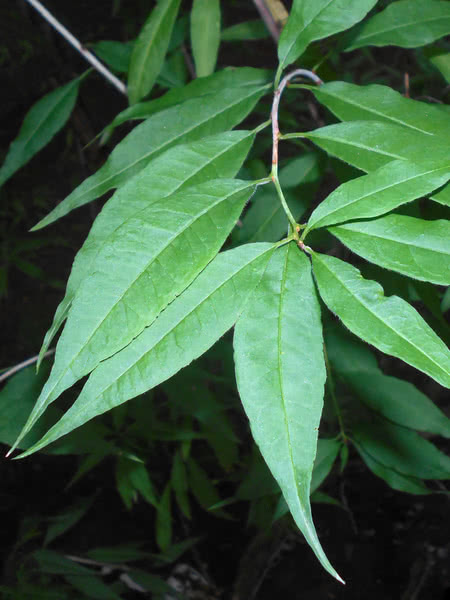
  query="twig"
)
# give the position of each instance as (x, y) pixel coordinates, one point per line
(276, 135)
(268, 19)
(78, 46)
(22, 365)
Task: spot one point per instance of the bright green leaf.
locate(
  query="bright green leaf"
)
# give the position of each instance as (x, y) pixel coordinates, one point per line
(183, 332)
(380, 191)
(414, 247)
(46, 117)
(389, 324)
(401, 449)
(150, 49)
(190, 121)
(309, 21)
(327, 450)
(154, 256)
(177, 169)
(405, 23)
(205, 35)
(280, 373)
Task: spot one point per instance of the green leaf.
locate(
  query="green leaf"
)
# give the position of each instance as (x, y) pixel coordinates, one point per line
(401, 449)
(389, 324)
(46, 117)
(150, 49)
(177, 169)
(442, 63)
(309, 21)
(395, 399)
(179, 484)
(248, 30)
(201, 486)
(327, 450)
(350, 102)
(164, 520)
(280, 373)
(154, 256)
(406, 23)
(380, 191)
(61, 523)
(395, 480)
(184, 331)
(228, 78)
(190, 121)
(414, 247)
(205, 35)
(368, 145)
(399, 401)
(115, 54)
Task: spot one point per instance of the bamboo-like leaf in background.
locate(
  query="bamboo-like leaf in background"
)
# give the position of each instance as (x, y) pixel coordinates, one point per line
(205, 35)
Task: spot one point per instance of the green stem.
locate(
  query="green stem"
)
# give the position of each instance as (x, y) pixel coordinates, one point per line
(284, 204)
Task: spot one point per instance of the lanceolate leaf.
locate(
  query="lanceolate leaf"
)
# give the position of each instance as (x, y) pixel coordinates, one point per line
(187, 122)
(395, 399)
(228, 78)
(41, 123)
(146, 263)
(280, 373)
(406, 23)
(350, 102)
(397, 481)
(178, 168)
(183, 332)
(311, 21)
(368, 145)
(414, 247)
(401, 449)
(205, 35)
(389, 324)
(150, 49)
(380, 191)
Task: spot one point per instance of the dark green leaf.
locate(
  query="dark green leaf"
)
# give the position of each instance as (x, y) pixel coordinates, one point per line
(115, 54)
(40, 124)
(280, 373)
(405, 23)
(414, 247)
(390, 324)
(164, 520)
(248, 30)
(401, 450)
(150, 49)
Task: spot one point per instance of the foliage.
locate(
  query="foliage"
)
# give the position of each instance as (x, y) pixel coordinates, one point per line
(165, 272)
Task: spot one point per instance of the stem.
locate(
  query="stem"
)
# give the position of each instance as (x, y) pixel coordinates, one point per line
(331, 388)
(22, 365)
(276, 136)
(78, 46)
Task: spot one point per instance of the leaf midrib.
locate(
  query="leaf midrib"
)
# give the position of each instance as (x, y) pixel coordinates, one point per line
(282, 395)
(369, 310)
